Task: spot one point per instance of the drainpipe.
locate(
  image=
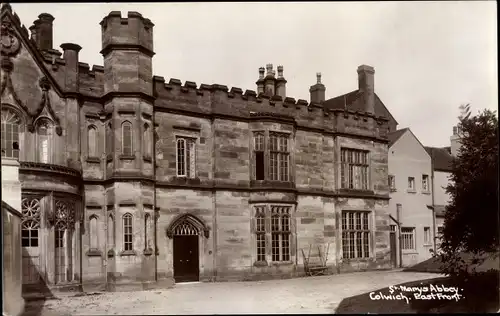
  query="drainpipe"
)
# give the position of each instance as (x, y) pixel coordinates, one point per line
(432, 197)
(398, 218)
(155, 210)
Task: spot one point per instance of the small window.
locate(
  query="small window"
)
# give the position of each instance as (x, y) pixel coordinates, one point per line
(59, 238)
(92, 141)
(408, 238)
(109, 139)
(411, 183)
(127, 139)
(11, 125)
(425, 183)
(147, 141)
(186, 157)
(392, 183)
(127, 232)
(427, 235)
(258, 139)
(45, 132)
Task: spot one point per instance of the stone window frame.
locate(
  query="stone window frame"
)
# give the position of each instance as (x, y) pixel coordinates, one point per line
(109, 139)
(21, 127)
(127, 140)
(50, 127)
(267, 134)
(364, 163)
(408, 239)
(128, 246)
(266, 208)
(92, 141)
(193, 157)
(148, 141)
(367, 230)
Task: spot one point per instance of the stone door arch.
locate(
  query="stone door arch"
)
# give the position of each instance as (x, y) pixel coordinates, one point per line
(186, 231)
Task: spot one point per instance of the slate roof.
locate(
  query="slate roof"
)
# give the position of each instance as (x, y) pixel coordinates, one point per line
(354, 101)
(441, 158)
(394, 136)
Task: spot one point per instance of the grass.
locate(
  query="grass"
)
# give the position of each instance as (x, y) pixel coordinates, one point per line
(480, 295)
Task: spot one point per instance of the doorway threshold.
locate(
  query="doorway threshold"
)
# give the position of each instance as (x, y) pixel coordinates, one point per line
(188, 282)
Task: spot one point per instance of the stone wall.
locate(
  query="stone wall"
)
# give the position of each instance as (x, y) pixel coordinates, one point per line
(13, 302)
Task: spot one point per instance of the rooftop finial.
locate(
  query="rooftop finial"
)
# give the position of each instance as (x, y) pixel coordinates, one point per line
(318, 77)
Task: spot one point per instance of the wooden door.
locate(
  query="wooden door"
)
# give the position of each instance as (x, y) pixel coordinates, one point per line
(186, 258)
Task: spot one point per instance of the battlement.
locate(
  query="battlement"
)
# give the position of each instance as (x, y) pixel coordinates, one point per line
(219, 100)
(134, 31)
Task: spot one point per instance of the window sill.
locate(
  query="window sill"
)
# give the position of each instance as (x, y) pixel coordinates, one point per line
(148, 252)
(111, 253)
(427, 245)
(125, 253)
(260, 263)
(94, 253)
(281, 263)
(8, 161)
(413, 191)
(410, 252)
(393, 190)
(147, 158)
(127, 157)
(426, 192)
(344, 260)
(93, 160)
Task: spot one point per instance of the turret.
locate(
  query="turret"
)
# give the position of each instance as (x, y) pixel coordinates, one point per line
(127, 48)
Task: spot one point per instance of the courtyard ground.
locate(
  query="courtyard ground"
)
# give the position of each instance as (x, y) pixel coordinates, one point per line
(301, 295)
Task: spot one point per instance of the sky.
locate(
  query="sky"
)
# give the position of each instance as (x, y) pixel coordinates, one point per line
(429, 57)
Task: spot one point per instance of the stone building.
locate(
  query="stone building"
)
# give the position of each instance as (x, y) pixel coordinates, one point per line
(129, 180)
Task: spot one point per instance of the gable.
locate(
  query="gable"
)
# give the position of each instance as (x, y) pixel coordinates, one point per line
(409, 147)
(25, 80)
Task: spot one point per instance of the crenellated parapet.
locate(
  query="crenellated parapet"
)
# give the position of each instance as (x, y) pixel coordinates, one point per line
(132, 32)
(216, 100)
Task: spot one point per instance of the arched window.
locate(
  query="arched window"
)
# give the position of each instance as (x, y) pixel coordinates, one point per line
(45, 141)
(92, 141)
(127, 232)
(109, 139)
(93, 232)
(127, 138)
(111, 232)
(11, 128)
(147, 140)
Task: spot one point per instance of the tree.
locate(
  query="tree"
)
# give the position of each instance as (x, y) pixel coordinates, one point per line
(471, 224)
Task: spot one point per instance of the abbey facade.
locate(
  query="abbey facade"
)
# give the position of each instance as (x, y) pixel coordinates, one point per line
(128, 179)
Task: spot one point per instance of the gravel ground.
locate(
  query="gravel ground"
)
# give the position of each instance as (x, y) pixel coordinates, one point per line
(301, 295)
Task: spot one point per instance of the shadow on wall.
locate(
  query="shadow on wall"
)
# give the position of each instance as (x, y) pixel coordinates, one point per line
(35, 290)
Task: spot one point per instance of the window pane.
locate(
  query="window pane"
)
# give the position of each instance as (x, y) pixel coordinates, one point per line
(181, 152)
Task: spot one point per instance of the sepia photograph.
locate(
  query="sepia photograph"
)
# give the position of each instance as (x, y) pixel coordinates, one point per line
(189, 158)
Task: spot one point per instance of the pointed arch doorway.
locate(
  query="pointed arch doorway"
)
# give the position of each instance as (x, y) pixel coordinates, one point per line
(186, 232)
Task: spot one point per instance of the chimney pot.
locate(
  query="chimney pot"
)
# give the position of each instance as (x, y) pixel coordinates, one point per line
(317, 91)
(269, 68)
(318, 77)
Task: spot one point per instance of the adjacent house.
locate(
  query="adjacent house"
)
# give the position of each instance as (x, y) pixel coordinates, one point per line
(410, 171)
(442, 159)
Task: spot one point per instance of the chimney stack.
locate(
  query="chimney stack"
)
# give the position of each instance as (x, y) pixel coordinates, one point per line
(281, 83)
(455, 141)
(366, 85)
(270, 80)
(260, 82)
(317, 91)
(42, 32)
